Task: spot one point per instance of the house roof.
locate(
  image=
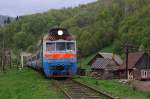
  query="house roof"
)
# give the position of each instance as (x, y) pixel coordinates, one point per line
(103, 63)
(100, 63)
(113, 56)
(133, 58)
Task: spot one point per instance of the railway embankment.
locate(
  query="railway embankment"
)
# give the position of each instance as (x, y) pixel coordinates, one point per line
(25, 84)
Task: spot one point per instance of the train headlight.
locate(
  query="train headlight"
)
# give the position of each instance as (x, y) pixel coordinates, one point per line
(60, 32)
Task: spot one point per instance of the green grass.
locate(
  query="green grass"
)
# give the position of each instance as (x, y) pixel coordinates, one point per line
(26, 84)
(114, 87)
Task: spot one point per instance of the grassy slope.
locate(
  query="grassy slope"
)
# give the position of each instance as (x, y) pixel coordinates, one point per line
(115, 88)
(25, 84)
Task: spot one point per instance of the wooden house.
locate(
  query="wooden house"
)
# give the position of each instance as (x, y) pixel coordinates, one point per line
(105, 65)
(138, 66)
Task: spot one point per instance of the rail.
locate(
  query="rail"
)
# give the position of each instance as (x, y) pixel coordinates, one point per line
(98, 91)
(73, 89)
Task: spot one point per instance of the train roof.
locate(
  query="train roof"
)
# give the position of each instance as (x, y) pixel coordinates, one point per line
(55, 35)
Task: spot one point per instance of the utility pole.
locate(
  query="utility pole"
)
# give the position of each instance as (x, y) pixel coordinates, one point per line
(17, 62)
(148, 57)
(0, 58)
(126, 51)
(42, 48)
(3, 53)
(126, 47)
(10, 58)
(22, 59)
(3, 49)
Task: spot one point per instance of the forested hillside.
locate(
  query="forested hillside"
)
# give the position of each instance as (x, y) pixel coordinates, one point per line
(4, 18)
(97, 25)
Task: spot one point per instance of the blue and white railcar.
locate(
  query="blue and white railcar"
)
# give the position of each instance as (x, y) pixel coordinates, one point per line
(56, 56)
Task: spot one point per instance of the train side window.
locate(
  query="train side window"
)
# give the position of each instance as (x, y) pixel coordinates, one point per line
(50, 46)
(71, 46)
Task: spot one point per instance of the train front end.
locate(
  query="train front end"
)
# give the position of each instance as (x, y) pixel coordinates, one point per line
(59, 58)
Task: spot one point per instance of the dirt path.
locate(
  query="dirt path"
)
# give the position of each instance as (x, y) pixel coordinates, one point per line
(141, 85)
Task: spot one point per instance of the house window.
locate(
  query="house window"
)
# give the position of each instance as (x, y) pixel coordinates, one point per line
(144, 73)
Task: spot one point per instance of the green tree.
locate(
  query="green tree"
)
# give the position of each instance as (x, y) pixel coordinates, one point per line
(23, 40)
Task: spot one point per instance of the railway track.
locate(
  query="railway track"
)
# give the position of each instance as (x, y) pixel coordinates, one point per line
(76, 90)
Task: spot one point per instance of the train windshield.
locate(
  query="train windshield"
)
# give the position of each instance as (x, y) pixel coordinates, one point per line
(60, 46)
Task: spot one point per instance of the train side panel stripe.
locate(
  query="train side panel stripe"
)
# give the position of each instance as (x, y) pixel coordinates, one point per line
(59, 55)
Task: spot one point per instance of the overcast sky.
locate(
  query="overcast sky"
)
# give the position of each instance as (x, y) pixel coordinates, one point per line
(23, 7)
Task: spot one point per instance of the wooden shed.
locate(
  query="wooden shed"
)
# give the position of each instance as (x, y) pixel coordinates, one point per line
(138, 66)
(105, 65)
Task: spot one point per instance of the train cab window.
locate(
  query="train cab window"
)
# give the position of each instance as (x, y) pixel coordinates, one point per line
(50, 46)
(70, 46)
(60, 46)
